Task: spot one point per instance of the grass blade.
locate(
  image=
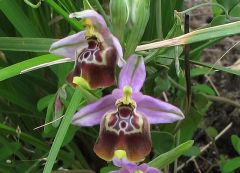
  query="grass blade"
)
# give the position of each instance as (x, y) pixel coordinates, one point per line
(17, 17)
(16, 69)
(26, 44)
(167, 158)
(196, 36)
(73, 22)
(74, 104)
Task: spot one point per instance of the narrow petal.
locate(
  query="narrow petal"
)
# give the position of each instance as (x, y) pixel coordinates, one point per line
(96, 18)
(133, 73)
(158, 111)
(122, 162)
(152, 170)
(92, 114)
(120, 171)
(68, 46)
(118, 47)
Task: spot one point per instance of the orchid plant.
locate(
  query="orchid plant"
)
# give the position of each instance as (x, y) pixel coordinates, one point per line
(104, 86)
(126, 114)
(95, 51)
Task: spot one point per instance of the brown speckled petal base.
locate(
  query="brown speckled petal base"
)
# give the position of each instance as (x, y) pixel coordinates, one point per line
(95, 64)
(129, 132)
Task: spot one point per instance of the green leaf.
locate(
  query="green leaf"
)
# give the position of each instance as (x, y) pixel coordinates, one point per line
(193, 151)
(119, 14)
(73, 22)
(219, 20)
(230, 165)
(15, 69)
(200, 102)
(58, 141)
(196, 36)
(190, 124)
(107, 169)
(138, 18)
(44, 102)
(169, 157)
(162, 141)
(228, 4)
(19, 20)
(235, 11)
(215, 67)
(203, 88)
(198, 71)
(162, 84)
(236, 143)
(26, 44)
(37, 143)
(25, 137)
(9, 149)
(211, 132)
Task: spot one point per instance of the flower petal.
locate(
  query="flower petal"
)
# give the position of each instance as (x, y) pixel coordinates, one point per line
(124, 129)
(68, 46)
(96, 18)
(118, 47)
(133, 73)
(152, 170)
(122, 162)
(158, 111)
(92, 114)
(96, 66)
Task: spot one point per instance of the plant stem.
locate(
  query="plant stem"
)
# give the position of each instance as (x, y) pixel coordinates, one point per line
(187, 66)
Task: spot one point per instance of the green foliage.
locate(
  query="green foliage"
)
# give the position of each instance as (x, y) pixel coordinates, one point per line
(165, 159)
(236, 143)
(27, 100)
(231, 165)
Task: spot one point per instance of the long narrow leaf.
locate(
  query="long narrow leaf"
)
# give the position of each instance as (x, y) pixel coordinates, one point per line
(196, 36)
(74, 104)
(17, 17)
(26, 44)
(73, 22)
(192, 37)
(167, 158)
(16, 69)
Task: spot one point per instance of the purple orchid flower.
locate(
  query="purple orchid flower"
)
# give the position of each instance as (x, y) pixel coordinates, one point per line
(130, 167)
(95, 51)
(126, 114)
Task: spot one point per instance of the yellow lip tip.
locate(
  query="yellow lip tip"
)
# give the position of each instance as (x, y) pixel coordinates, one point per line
(120, 154)
(81, 81)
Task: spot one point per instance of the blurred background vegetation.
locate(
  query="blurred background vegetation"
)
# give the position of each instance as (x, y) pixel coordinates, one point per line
(27, 100)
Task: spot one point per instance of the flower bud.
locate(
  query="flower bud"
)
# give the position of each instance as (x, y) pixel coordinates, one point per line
(138, 17)
(119, 15)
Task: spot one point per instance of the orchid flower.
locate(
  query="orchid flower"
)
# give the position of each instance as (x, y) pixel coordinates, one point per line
(126, 114)
(95, 51)
(126, 166)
